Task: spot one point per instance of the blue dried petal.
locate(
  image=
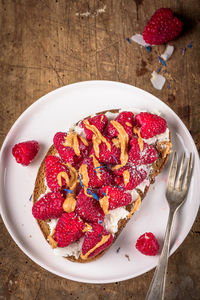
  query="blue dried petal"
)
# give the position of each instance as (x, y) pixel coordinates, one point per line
(68, 191)
(189, 45)
(158, 71)
(128, 40)
(93, 195)
(114, 158)
(148, 48)
(162, 61)
(80, 182)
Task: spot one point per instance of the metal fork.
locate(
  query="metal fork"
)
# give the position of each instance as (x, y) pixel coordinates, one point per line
(177, 189)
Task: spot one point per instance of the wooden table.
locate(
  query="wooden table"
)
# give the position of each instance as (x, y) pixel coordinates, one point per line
(47, 44)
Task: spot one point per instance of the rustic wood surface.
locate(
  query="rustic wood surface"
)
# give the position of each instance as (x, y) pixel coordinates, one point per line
(47, 44)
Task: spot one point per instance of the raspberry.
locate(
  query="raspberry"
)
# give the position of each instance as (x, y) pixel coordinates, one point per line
(49, 206)
(53, 167)
(68, 229)
(99, 121)
(94, 180)
(88, 208)
(135, 177)
(25, 152)
(116, 197)
(137, 157)
(92, 238)
(106, 156)
(150, 124)
(67, 153)
(162, 27)
(147, 244)
(126, 119)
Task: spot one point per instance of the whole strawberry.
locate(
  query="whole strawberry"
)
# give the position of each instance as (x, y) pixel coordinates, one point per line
(49, 206)
(147, 244)
(162, 27)
(25, 152)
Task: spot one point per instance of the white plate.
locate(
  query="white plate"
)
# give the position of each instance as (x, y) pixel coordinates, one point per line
(57, 111)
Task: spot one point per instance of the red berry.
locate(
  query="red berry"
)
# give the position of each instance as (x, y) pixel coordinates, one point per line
(147, 156)
(49, 206)
(88, 208)
(126, 119)
(150, 124)
(99, 121)
(135, 176)
(101, 171)
(162, 27)
(116, 196)
(106, 156)
(68, 229)
(147, 244)
(68, 154)
(25, 152)
(54, 166)
(92, 238)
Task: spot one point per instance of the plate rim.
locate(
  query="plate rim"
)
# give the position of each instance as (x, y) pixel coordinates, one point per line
(45, 98)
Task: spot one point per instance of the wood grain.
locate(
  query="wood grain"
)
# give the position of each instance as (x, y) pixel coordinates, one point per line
(47, 44)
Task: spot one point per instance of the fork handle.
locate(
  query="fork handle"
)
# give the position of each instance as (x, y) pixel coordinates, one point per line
(157, 286)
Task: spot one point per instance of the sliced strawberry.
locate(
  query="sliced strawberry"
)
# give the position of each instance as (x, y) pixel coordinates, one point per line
(49, 206)
(147, 156)
(88, 208)
(68, 229)
(150, 124)
(129, 177)
(54, 166)
(99, 121)
(126, 119)
(116, 196)
(68, 154)
(95, 237)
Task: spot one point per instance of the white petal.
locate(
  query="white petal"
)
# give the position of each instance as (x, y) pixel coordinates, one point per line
(138, 38)
(157, 80)
(168, 52)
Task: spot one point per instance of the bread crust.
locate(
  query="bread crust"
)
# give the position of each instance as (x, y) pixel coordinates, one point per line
(40, 188)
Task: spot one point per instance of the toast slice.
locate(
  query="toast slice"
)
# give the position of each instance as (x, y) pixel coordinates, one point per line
(163, 148)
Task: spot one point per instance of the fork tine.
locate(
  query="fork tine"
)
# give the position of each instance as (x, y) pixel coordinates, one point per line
(172, 172)
(181, 173)
(188, 173)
